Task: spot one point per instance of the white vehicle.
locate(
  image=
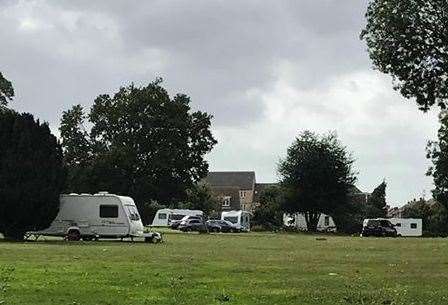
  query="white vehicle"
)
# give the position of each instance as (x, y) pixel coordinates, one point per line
(102, 215)
(298, 221)
(407, 226)
(240, 219)
(164, 217)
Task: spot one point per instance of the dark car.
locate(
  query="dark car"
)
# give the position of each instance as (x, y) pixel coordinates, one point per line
(225, 226)
(213, 226)
(379, 228)
(193, 225)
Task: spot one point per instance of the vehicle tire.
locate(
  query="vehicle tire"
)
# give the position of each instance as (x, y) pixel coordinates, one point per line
(73, 235)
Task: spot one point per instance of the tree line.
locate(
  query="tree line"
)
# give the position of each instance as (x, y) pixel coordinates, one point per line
(317, 177)
(143, 143)
(139, 142)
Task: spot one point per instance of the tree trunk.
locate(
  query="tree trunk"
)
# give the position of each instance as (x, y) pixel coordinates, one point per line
(312, 219)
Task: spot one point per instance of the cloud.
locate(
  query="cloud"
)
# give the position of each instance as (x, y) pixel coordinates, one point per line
(265, 70)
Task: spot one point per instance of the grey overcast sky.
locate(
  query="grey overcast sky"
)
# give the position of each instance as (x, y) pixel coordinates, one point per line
(266, 70)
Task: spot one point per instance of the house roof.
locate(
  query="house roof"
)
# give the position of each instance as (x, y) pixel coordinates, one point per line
(242, 180)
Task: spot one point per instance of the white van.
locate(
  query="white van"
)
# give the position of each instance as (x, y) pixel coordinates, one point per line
(164, 217)
(239, 218)
(102, 215)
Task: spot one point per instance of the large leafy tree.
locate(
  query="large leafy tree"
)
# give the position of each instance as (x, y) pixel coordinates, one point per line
(200, 197)
(408, 40)
(269, 214)
(78, 153)
(6, 90)
(141, 143)
(31, 174)
(376, 203)
(437, 151)
(317, 175)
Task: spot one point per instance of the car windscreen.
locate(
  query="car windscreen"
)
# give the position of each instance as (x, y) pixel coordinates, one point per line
(386, 223)
(176, 216)
(373, 223)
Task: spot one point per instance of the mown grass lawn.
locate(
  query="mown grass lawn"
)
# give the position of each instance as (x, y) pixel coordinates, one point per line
(253, 268)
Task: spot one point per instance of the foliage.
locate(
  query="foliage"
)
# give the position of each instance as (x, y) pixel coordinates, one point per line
(200, 197)
(142, 143)
(6, 91)
(148, 210)
(376, 203)
(317, 175)
(268, 214)
(437, 151)
(407, 39)
(433, 214)
(349, 218)
(31, 174)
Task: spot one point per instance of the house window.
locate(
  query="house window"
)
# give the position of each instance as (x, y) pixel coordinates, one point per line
(226, 201)
(108, 211)
(242, 194)
(413, 226)
(327, 221)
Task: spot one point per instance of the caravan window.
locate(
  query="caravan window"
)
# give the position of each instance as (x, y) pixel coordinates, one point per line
(327, 221)
(162, 216)
(108, 211)
(413, 226)
(233, 219)
(133, 213)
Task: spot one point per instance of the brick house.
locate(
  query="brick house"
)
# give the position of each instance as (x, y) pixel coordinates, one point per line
(235, 190)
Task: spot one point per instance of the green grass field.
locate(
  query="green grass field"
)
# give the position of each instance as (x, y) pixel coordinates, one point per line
(254, 268)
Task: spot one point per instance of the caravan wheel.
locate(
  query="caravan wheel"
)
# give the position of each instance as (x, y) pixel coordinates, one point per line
(73, 235)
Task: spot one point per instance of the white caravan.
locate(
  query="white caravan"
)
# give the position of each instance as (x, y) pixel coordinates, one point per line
(239, 218)
(406, 226)
(89, 216)
(298, 221)
(164, 217)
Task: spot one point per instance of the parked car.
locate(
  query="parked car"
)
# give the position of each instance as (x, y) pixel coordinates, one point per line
(164, 217)
(193, 225)
(174, 224)
(225, 226)
(213, 226)
(379, 228)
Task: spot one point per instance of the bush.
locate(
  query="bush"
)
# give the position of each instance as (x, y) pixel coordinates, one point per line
(31, 174)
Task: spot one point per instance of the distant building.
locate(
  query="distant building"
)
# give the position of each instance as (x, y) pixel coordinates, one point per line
(238, 190)
(235, 190)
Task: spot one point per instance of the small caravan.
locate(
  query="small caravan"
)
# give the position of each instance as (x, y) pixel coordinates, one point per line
(407, 226)
(239, 218)
(89, 216)
(298, 221)
(164, 217)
